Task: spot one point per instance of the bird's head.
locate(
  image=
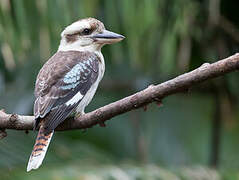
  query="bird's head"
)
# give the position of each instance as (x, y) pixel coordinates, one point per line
(87, 34)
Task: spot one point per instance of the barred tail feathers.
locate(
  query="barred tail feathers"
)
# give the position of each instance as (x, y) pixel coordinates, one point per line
(39, 149)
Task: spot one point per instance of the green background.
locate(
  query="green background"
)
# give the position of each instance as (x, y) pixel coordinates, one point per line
(194, 135)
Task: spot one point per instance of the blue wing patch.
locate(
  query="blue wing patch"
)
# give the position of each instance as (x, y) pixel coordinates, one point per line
(76, 73)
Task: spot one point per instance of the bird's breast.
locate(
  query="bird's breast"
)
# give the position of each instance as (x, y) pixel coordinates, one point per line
(91, 92)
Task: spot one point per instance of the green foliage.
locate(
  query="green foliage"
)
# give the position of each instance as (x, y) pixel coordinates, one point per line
(163, 39)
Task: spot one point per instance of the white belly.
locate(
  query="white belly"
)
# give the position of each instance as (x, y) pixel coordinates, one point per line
(91, 92)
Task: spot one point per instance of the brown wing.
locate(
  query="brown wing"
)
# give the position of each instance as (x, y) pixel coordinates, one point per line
(59, 80)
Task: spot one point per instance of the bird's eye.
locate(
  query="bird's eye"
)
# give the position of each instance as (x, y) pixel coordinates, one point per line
(86, 31)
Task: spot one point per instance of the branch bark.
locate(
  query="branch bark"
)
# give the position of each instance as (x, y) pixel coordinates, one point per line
(154, 93)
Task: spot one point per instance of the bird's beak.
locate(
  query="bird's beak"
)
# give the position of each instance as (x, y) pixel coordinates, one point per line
(107, 37)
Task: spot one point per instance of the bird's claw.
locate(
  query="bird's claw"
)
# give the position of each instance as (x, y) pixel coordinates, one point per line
(79, 114)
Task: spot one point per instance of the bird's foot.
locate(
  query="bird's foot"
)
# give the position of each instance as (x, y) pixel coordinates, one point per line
(79, 114)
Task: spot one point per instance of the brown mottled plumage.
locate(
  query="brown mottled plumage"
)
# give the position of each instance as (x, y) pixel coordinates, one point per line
(68, 80)
(50, 78)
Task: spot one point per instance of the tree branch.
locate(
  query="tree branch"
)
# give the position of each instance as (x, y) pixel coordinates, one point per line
(154, 93)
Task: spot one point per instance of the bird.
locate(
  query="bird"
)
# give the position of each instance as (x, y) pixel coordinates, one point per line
(68, 81)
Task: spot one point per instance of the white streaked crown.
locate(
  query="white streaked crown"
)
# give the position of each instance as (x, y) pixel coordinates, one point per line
(80, 25)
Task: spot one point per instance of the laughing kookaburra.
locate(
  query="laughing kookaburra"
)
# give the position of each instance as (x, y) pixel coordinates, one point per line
(68, 80)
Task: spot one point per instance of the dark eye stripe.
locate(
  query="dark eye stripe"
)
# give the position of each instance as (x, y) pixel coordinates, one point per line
(71, 37)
